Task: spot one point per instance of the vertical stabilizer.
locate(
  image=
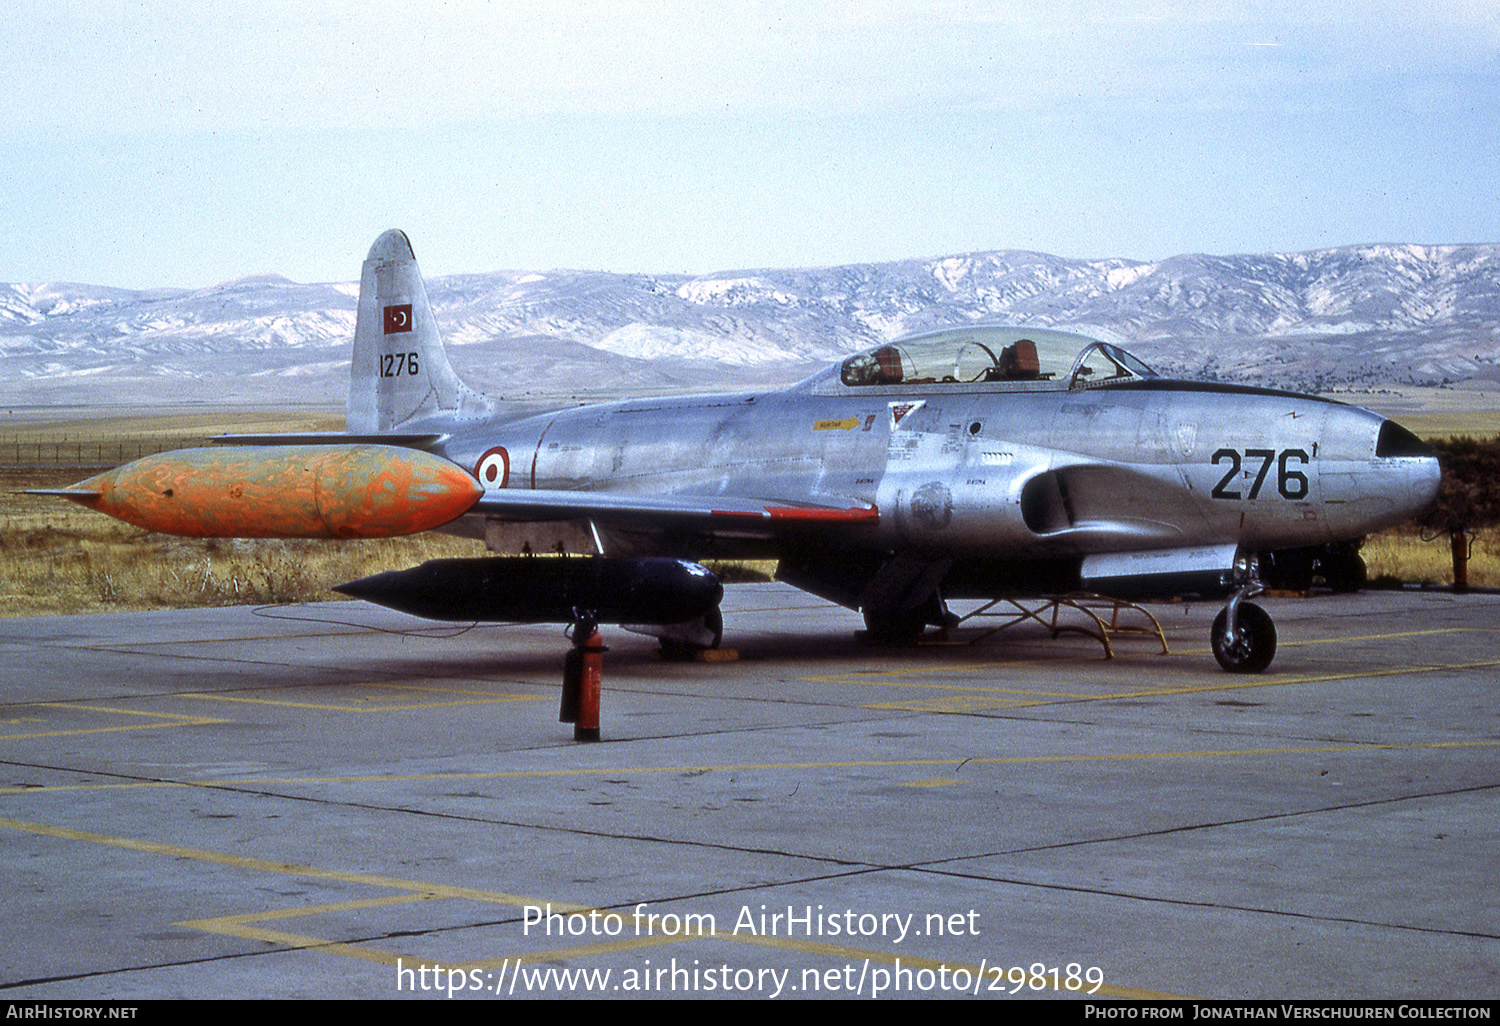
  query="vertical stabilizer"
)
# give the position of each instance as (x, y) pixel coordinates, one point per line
(400, 377)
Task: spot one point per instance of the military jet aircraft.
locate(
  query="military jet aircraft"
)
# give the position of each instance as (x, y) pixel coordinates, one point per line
(973, 462)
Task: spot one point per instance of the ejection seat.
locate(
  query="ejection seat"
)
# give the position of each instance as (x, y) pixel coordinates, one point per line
(888, 362)
(1018, 361)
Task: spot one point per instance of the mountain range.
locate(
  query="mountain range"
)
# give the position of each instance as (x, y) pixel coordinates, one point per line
(1356, 315)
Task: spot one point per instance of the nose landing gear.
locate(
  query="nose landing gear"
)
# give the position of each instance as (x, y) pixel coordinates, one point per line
(1243, 636)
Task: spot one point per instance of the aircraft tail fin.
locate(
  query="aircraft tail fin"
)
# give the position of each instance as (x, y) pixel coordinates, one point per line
(400, 376)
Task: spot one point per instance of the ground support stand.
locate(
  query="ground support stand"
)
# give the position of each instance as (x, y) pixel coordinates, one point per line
(1047, 611)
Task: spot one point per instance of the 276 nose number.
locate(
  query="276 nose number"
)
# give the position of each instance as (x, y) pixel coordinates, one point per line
(1292, 484)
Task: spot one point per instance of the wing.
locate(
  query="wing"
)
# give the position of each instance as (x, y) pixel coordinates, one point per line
(745, 516)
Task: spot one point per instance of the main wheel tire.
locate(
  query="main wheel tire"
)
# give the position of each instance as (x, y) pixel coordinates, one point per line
(1346, 572)
(1291, 569)
(1253, 645)
(898, 629)
(686, 651)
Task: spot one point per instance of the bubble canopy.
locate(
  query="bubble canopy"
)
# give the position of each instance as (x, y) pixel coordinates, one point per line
(1009, 356)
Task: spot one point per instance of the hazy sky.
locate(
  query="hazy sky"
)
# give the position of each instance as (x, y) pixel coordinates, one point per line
(167, 143)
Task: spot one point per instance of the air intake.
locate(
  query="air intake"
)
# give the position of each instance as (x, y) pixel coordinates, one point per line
(1395, 440)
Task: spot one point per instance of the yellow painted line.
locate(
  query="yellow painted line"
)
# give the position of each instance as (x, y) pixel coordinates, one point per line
(933, 782)
(437, 690)
(1390, 636)
(297, 940)
(859, 676)
(171, 720)
(871, 676)
(1397, 671)
(978, 689)
(132, 785)
(626, 771)
(1311, 679)
(955, 704)
(351, 629)
(280, 868)
(960, 704)
(314, 910)
(241, 926)
(1348, 639)
(494, 699)
(893, 678)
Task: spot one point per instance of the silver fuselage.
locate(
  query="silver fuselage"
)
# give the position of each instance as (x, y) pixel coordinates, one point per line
(979, 470)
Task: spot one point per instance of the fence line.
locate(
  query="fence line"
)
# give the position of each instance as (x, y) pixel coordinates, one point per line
(23, 453)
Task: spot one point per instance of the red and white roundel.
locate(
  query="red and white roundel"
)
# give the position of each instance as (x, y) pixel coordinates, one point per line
(493, 468)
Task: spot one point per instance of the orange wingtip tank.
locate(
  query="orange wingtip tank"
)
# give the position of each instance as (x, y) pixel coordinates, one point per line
(293, 491)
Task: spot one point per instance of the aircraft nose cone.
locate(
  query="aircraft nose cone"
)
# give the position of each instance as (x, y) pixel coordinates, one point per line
(1411, 467)
(1362, 494)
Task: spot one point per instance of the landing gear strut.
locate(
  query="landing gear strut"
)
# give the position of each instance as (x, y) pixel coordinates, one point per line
(903, 626)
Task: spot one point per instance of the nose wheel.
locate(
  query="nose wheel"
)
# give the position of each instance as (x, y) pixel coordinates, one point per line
(1244, 638)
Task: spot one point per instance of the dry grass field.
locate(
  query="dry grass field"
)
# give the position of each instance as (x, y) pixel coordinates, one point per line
(1408, 557)
(57, 557)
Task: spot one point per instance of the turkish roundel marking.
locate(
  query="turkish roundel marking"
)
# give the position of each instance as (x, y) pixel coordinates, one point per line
(397, 318)
(493, 468)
